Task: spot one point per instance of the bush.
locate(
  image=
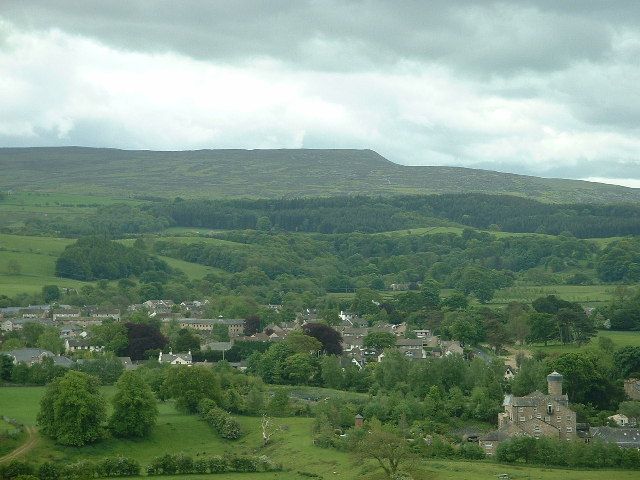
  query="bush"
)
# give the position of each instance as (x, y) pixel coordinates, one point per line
(14, 469)
(118, 467)
(218, 464)
(165, 464)
(49, 471)
(223, 423)
(471, 451)
(243, 464)
(82, 470)
(200, 465)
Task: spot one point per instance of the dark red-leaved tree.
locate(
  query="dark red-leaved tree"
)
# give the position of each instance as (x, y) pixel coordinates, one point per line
(143, 337)
(330, 339)
(251, 325)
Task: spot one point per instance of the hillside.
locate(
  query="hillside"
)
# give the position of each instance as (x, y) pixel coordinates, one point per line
(268, 173)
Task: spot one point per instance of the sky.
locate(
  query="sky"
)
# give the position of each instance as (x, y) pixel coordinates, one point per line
(539, 87)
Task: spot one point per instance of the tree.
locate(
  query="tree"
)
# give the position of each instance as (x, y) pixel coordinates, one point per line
(31, 331)
(6, 367)
(430, 292)
(190, 385)
(301, 343)
(542, 327)
(72, 410)
(496, 334)
(251, 325)
(331, 370)
(385, 445)
(134, 407)
(50, 339)
(298, 369)
(330, 339)
(111, 334)
(51, 293)
(627, 361)
(379, 340)
(186, 341)
(366, 301)
(142, 337)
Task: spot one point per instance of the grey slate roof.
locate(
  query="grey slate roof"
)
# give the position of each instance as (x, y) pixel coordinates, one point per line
(35, 355)
(623, 437)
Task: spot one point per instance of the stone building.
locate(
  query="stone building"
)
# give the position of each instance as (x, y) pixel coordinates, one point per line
(534, 415)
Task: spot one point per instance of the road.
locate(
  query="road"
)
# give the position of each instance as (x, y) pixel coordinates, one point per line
(32, 440)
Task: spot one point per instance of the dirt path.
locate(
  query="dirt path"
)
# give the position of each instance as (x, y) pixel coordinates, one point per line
(32, 440)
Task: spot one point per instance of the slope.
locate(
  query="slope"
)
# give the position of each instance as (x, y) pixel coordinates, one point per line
(268, 174)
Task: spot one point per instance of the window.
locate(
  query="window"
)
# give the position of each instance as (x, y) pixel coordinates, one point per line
(549, 409)
(536, 428)
(520, 409)
(559, 419)
(538, 416)
(522, 419)
(569, 429)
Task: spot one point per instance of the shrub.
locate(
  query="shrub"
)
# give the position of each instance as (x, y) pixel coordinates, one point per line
(118, 467)
(200, 465)
(243, 464)
(49, 471)
(184, 463)
(165, 464)
(82, 470)
(471, 451)
(14, 469)
(218, 464)
(223, 423)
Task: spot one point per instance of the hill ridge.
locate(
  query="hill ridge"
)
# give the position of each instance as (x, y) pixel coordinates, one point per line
(270, 173)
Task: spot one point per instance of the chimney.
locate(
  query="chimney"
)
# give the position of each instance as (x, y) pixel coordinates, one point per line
(359, 421)
(554, 382)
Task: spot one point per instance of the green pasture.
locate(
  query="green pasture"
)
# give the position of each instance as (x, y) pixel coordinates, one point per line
(586, 294)
(292, 446)
(620, 339)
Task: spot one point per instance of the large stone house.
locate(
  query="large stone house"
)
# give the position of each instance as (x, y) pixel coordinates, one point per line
(235, 326)
(534, 415)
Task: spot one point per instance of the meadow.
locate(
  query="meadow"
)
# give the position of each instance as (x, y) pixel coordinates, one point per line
(36, 258)
(292, 447)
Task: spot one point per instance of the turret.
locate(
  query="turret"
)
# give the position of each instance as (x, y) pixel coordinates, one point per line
(554, 382)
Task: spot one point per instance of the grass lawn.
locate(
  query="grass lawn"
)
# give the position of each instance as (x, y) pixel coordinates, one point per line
(293, 447)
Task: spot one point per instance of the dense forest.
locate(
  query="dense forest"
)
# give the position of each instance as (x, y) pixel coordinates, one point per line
(362, 214)
(377, 214)
(97, 258)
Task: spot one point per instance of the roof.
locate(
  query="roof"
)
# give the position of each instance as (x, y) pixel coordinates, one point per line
(534, 399)
(499, 435)
(32, 355)
(218, 346)
(623, 437)
(170, 357)
(555, 376)
(213, 321)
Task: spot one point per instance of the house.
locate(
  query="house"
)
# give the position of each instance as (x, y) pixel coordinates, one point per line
(235, 326)
(10, 325)
(104, 313)
(632, 388)
(36, 355)
(509, 372)
(127, 363)
(534, 415)
(176, 359)
(411, 348)
(623, 437)
(81, 344)
(218, 346)
(619, 419)
(66, 314)
(422, 333)
(451, 347)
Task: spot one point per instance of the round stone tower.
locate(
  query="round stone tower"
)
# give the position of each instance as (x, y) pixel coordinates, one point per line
(554, 382)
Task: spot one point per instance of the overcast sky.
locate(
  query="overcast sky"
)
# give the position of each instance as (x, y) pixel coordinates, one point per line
(542, 87)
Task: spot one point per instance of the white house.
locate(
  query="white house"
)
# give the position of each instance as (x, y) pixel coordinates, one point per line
(175, 359)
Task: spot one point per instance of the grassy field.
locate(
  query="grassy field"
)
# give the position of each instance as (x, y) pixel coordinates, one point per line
(292, 447)
(36, 257)
(620, 339)
(586, 294)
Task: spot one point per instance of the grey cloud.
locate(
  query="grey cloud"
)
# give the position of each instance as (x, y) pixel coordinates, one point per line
(481, 37)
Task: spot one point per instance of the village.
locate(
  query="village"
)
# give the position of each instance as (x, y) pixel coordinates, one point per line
(535, 415)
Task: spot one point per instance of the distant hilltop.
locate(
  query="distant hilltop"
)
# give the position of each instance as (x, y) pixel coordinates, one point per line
(269, 174)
